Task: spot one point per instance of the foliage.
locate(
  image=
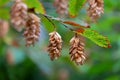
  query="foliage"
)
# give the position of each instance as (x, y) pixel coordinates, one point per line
(97, 38)
(103, 64)
(74, 7)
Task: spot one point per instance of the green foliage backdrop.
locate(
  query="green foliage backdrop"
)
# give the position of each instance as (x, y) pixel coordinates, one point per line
(33, 63)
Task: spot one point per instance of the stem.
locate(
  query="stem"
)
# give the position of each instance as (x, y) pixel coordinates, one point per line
(67, 27)
(76, 35)
(57, 19)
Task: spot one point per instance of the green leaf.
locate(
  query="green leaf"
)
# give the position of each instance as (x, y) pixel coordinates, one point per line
(75, 6)
(4, 12)
(35, 4)
(47, 23)
(96, 38)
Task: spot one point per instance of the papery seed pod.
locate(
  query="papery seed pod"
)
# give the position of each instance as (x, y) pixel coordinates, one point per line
(4, 28)
(77, 49)
(96, 8)
(61, 7)
(19, 15)
(55, 45)
(32, 29)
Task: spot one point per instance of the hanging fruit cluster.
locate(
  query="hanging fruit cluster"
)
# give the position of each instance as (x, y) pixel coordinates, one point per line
(61, 7)
(25, 17)
(19, 15)
(55, 45)
(32, 30)
(96, 8)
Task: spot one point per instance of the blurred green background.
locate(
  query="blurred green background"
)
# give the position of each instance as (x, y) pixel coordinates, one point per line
(18, 62)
